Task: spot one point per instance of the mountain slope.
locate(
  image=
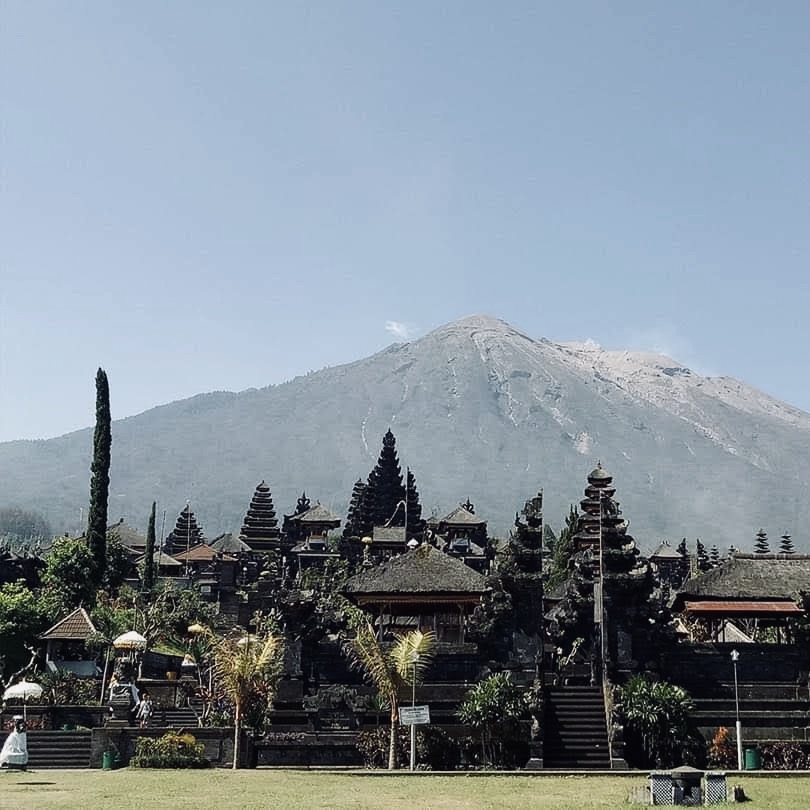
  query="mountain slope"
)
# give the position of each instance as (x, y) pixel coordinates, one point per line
(480, 411)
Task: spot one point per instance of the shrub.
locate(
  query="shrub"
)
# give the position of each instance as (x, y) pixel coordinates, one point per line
(722, 750)
(495, 707)
(172, 750)
(658, 728)
(785, 756)
(64, 688)
(435, 748)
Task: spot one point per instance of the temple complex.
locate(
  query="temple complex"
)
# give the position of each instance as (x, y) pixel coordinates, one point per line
(610, 614)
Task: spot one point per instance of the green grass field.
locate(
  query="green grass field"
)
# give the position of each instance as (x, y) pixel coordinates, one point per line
(131, 789)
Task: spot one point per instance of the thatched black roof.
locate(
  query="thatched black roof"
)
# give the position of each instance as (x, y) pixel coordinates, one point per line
(423, 571)
(748, 576)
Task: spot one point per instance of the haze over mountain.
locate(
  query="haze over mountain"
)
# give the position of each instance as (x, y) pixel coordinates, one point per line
(479, 410)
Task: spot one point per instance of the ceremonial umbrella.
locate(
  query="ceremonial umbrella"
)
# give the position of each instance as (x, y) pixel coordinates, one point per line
(24, 690)
(130, 641)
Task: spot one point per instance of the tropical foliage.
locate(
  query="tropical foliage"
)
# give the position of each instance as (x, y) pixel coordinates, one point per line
(657, 723)
(246, 670)
(68, 580)
(21, 619)
(405, 663)
(172, 750)
(494, 707)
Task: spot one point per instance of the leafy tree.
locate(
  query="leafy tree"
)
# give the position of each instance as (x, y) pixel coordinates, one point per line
(68, 581)
(100, 478)
(786, 544)
(21, 620)
(163, 616)
(656, 719)
(118, 563)
(389, 670)
(494, 707)
(247, 668)
(149, 557)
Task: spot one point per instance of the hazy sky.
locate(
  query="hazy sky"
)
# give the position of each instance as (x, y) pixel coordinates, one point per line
(201, 196)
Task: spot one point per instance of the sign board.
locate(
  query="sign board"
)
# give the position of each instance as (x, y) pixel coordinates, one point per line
(414, 715)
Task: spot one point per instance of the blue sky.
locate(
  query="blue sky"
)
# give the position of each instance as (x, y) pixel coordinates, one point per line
(203, 196)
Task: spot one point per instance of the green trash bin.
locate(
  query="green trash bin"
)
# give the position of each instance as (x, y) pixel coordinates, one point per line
(106, 761)
(753, 759)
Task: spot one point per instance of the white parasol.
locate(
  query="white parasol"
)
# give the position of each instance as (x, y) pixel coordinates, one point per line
(130, 641)
(23, 690)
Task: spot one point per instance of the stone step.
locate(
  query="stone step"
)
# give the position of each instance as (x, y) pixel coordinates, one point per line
(59, 749)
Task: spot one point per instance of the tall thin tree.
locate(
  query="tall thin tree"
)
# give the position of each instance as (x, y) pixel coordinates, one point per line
(149, 558)
(100, 478)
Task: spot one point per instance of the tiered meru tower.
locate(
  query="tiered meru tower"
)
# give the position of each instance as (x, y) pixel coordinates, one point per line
(260, 527)
(186, 533)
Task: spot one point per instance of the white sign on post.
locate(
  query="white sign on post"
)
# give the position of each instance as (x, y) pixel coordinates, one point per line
(414, 715)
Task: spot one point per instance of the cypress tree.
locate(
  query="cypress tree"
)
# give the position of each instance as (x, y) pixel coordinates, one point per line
(149, 559)
(100, 479)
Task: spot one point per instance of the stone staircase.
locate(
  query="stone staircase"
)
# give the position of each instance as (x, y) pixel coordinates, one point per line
(58, 749)
(174, 718)
(575, 733)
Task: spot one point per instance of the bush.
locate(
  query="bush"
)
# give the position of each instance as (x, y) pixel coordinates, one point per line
(64, 688)
(785, 756)
(658, 728)
(172, 750)
(435, 748)
(723, 750)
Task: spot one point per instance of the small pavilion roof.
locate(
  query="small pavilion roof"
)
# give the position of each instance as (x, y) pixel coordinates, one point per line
(462, 517)
(129, 537)
(743, 607)
(425, 571)
(229, 543)
(198, 553)
(318, 514)
(760, 577)
(76, 626)
(389, 533)
(161, 558)
(666, 552)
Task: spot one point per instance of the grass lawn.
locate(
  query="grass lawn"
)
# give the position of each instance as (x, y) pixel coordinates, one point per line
(131, 788)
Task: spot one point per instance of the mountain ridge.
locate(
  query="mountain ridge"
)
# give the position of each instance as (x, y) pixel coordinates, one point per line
(480, 410)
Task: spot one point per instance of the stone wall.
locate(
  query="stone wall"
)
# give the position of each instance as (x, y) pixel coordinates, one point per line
(218, 744)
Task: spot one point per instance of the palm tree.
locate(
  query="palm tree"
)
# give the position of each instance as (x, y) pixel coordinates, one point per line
(405, 663)
(247, 667)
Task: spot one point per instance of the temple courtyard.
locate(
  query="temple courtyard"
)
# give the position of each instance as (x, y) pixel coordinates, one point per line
(132, 788)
